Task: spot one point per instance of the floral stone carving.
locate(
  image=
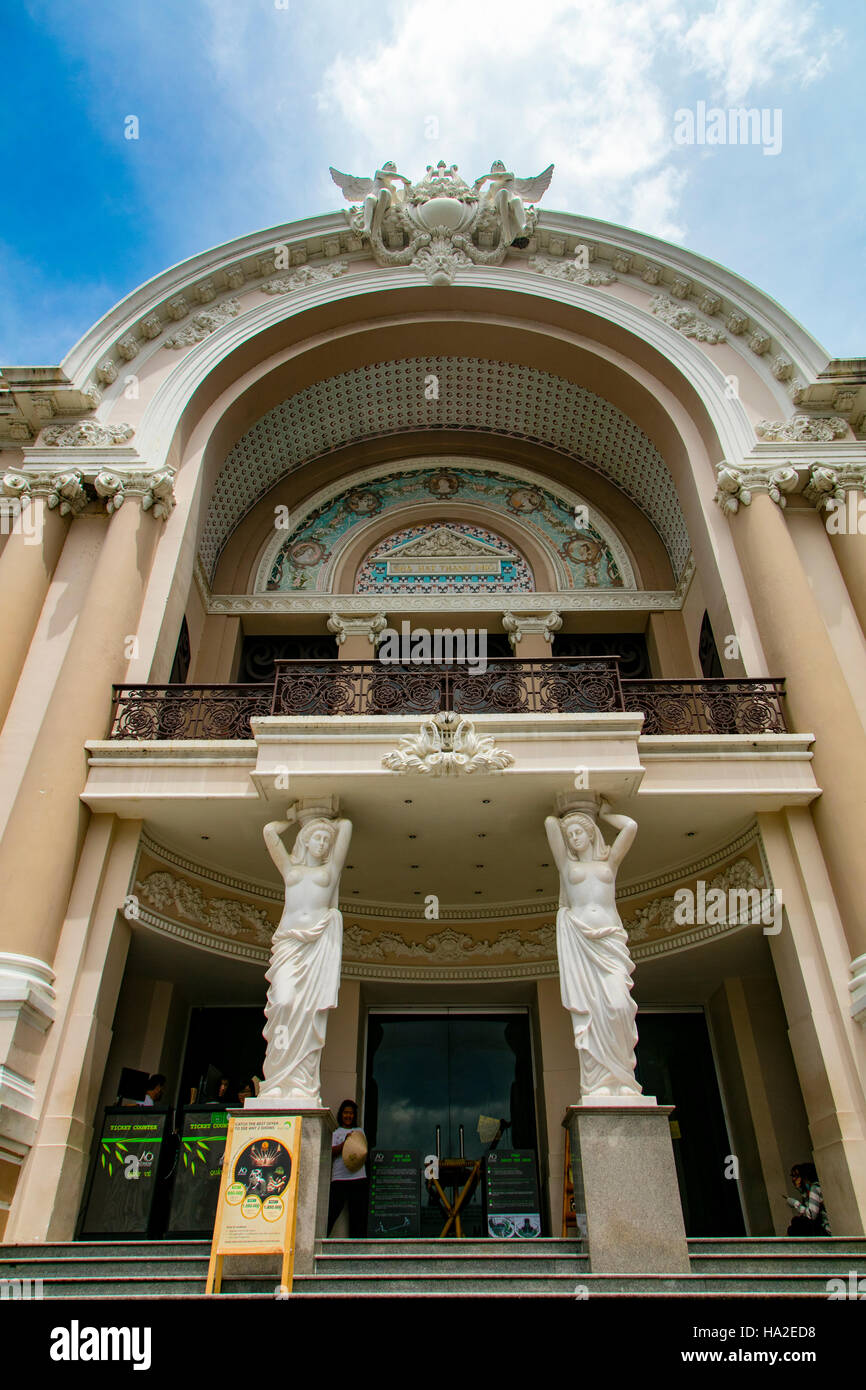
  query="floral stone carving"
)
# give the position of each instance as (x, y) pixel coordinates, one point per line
(802, 429)
(203, 324)
(84, 434)
(304, 275)
(691, 325)
(559, 268)
(447, 745)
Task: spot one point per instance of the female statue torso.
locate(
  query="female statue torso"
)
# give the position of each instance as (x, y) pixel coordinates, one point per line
(306, 955)
(595, 966)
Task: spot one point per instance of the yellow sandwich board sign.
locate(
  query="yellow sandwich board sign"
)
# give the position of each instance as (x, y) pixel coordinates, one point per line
(258, 1198)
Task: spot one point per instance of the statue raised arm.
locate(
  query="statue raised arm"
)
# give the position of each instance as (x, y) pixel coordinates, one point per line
(306, 955)
(595, 966)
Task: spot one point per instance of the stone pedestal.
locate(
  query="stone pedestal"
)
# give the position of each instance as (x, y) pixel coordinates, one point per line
(625, 1179)
(314, 1181)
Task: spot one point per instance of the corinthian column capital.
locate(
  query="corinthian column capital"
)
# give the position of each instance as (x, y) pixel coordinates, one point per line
(737, 486)
(71, 491)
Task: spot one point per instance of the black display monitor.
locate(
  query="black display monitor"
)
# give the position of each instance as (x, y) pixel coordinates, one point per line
(132, 1085)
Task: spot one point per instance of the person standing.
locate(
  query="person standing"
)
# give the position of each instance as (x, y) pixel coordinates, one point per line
(348, 1184)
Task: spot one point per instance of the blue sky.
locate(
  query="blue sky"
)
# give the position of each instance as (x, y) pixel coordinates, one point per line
(243, 104)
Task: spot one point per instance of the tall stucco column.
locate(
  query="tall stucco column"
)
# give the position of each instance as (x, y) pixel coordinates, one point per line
(27, 564)
(561, 1083)
(829, 1049)
(840, 497)
(90, 961)
(798, 647)
(42, 838)
(341, 1051)
(766, 1117)
(530, 635)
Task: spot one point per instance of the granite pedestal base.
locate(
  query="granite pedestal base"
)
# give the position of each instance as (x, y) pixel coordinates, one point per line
(314, 1180)
(625, 1180)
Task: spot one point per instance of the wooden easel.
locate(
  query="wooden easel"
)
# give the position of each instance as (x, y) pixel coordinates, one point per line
(459, 1168)
(569, 1220)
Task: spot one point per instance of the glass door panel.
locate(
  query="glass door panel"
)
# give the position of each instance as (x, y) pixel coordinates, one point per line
(448, 1069)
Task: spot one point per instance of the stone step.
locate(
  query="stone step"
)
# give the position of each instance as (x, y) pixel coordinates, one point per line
(146, 1285)
(348, 1266)
(566, 1285)
(105, 1267)
(489, 1249)
(777, 1264)
(551, 1267)
(94, 1249)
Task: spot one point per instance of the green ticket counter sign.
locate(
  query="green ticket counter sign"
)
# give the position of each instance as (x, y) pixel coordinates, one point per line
(395, 1194)
(511, 1204)
(123, 1185)
(203, 1132)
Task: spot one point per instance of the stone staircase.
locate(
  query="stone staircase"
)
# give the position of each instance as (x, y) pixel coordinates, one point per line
(550, 1268)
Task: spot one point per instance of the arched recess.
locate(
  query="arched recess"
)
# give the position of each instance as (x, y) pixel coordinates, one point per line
(542, 533)
(668, 387)
(476, 396)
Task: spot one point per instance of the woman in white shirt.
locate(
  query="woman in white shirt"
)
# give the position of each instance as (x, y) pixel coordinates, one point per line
(347, 1186)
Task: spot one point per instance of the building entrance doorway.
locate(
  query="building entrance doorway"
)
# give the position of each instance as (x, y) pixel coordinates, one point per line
(429, 1071)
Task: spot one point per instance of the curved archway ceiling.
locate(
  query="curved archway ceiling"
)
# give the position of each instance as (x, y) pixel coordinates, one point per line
(396, 397)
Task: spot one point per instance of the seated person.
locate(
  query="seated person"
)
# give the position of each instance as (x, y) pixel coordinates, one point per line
(811, 1215)
(154, 1091)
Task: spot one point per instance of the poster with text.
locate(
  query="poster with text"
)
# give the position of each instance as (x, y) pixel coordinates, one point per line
(259, 1185)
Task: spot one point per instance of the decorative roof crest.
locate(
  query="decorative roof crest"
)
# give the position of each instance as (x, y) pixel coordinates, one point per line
(441, 223)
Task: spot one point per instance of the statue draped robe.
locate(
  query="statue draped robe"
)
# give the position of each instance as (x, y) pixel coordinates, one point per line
(595, 970)
(303, 984)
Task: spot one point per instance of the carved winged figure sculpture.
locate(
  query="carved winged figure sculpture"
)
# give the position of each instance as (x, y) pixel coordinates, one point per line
(509, 195)
(378, 194)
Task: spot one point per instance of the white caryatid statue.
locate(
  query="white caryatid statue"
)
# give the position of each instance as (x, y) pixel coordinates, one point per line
(306, 955)
(595, 967)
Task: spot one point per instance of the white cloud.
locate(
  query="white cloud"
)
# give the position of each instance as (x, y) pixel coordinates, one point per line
(743, 46)
(591, 87)
(572, 84)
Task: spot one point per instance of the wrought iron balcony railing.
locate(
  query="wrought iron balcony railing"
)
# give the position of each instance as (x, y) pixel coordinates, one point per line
(554, 685)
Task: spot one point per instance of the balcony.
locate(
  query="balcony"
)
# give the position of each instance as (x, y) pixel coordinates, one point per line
(553, 685)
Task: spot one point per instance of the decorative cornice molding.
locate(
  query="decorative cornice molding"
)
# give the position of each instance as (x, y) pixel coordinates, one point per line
(578, 601)
(219, 925)
(658, 913)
